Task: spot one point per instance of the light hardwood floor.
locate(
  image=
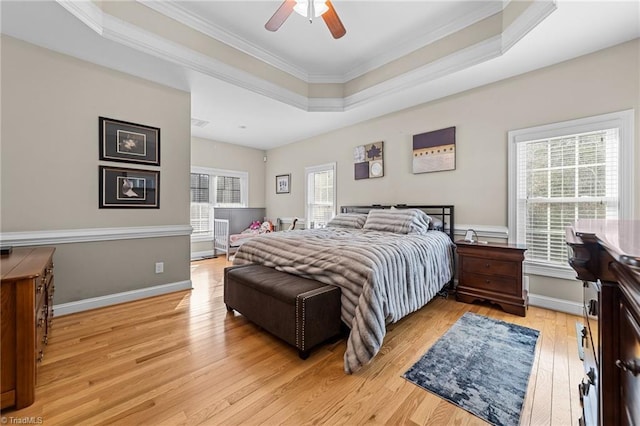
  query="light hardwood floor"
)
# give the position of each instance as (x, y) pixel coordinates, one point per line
(182, 359)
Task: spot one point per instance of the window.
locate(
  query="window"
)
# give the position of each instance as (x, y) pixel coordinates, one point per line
(559, 173)
(212, 188)
(320, 195)
(200, 207)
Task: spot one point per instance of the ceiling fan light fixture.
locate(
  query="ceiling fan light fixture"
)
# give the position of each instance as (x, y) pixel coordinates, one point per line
(311, 9)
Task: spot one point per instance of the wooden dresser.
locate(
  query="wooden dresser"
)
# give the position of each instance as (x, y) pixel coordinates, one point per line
(492, 272)
(606, 256)
(26, 295)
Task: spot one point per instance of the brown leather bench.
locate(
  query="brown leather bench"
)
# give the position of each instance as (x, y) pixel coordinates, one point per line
(302, 312)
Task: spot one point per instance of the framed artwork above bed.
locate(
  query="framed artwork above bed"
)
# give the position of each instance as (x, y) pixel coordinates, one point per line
(434, 151)
(368, 161)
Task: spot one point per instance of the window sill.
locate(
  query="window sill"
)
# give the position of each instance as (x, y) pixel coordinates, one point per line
(201, 238)
(536, 268)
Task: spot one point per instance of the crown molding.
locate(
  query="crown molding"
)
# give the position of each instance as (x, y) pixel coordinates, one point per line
(132, 36)
(67, 236)
(86, 11)
(174, 10)
(412, 44)
(326, 104)
(528, 20)
(461, 59)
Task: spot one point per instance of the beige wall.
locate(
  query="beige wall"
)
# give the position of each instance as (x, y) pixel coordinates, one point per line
(49, 177)
(220, 155)
(602, 82)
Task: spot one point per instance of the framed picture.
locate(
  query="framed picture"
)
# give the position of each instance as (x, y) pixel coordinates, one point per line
(434, 151)
(129, 142)
(368, 161)
(283, 182)
(129, 188)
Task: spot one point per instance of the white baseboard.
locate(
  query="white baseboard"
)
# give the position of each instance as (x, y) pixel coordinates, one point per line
(195, 255)
(114, 299)
(560, 305)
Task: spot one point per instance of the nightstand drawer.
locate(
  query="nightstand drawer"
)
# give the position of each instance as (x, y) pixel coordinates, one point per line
(502, 285)
(490, 266)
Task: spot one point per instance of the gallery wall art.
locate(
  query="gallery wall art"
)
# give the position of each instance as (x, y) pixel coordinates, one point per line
(434, 151)
(129, 188)
(129, 142)
(368, 162)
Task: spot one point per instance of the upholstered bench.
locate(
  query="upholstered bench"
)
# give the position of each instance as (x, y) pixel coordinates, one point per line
(302, 312)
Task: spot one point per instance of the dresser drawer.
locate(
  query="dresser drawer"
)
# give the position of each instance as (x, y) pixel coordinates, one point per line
(492, 283)
(490, 266)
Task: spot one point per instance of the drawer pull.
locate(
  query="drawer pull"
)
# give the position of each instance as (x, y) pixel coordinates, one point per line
(486, 265)
(487, 281)
(632, 367)
(591, 376)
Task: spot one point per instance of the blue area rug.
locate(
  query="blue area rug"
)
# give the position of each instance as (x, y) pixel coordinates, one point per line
(482, 365)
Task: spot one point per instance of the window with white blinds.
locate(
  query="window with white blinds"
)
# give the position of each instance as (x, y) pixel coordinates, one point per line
(200, 207)
(212, 188)
(320, 195)
(561, 173)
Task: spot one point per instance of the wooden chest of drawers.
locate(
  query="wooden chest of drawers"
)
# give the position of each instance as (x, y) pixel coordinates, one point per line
(492, 272)
(25, 318)
(606, 256)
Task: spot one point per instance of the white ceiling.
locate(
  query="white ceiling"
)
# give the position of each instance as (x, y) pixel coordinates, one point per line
(376, 31)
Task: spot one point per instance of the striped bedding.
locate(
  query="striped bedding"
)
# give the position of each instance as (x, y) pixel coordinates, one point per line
(383, 276)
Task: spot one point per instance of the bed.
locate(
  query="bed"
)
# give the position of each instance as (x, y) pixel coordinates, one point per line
(230, 221)
(385, 270)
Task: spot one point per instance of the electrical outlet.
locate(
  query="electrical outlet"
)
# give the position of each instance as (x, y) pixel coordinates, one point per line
(159, 267)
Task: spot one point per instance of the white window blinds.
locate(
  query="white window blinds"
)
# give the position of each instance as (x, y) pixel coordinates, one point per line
(563, 172)
(200, 207)
(212, 188)
(560, 180)
(228, 191)
(321, 195)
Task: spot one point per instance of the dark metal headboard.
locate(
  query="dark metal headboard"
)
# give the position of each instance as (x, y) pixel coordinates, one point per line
(444, 213)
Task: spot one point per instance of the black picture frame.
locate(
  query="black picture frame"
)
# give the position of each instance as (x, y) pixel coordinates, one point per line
(283, 184)
(129, 142)
(129, 188)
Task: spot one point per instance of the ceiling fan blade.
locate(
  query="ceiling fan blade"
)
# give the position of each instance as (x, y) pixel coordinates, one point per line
(333, 22)
(281, 15)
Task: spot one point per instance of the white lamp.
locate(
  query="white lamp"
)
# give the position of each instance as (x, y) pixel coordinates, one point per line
(311, 8)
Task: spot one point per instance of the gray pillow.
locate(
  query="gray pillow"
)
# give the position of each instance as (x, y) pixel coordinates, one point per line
(348, 220)
(400, 221)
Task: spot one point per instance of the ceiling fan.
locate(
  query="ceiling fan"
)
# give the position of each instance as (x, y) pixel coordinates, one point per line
(309, 9)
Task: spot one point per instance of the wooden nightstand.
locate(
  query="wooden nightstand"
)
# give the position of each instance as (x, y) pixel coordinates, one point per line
(492, 272)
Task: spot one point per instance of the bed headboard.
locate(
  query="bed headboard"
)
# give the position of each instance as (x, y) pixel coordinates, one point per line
(442, 212)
